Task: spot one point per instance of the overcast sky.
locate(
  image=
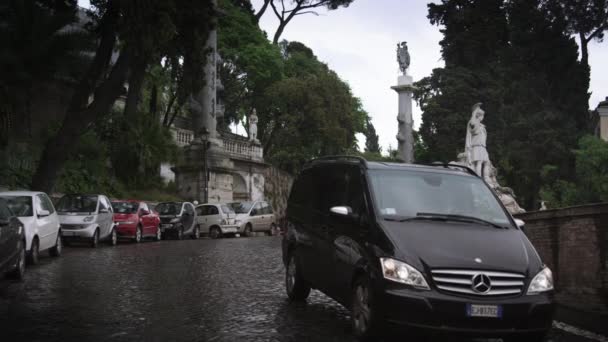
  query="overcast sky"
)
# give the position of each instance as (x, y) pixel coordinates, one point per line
(359, 43)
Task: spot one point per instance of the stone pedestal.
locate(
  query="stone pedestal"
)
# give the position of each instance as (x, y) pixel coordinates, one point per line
(405, 137)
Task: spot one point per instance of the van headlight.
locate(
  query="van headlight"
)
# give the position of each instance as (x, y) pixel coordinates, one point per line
(403, 273)
(542, 282)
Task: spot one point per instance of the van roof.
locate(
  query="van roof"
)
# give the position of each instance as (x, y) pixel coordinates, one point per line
(375, 165)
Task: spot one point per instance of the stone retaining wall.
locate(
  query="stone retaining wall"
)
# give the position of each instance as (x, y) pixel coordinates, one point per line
(573, 242)
(277, 185)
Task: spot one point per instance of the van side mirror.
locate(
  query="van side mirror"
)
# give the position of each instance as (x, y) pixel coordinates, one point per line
(520, 224)
(43, 213)
(342, 211)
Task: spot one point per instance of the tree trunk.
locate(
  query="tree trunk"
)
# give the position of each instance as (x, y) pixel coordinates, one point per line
(154, 102)
(136, 80)
(584, 50)
(76, 121)
(279, 32)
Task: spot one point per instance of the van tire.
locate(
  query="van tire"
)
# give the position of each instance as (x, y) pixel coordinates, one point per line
(297, 288)
(364, 319)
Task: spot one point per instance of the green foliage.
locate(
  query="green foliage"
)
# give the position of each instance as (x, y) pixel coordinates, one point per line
(591, 184)
(495, 56)
(371, 138)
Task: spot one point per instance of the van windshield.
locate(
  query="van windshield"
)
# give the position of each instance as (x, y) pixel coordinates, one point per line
(406, 194)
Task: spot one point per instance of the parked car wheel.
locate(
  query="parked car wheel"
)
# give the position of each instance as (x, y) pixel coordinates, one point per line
(196, 233)
(57, 249)
(363, 316)
(113, 241)
(215, 232)
(19, 272)
(95, 239)
(137, 238)
(273, 230)
(159, 234)
(296, 287)
(248, 232)
(33, 256)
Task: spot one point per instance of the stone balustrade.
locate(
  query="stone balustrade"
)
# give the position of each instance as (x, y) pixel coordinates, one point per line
(243, 149)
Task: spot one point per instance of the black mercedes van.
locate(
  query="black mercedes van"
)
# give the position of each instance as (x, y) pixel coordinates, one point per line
(414, 246)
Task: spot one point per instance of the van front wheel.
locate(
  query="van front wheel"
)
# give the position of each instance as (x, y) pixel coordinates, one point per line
(296, 287)
(363, 316)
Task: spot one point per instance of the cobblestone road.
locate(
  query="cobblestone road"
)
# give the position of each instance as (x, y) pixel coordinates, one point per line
(205, 290)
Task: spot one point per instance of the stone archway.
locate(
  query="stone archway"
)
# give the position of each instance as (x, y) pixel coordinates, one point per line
(239, 188)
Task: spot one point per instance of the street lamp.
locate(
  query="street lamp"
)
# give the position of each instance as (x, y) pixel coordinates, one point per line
(205, 139)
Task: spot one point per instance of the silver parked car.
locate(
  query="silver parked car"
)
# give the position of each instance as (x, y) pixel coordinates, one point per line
(86, 218)
(216, 220)
(254, 217)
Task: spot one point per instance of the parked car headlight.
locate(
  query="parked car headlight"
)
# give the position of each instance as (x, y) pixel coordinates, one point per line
(401, 272)
(223, 222)
(542, 282)
(175, 220)
(88, 219)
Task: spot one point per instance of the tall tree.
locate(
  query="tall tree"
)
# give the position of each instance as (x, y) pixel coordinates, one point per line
(493, 55)
(285, 14)
(587, 19)
(371, 138)
(136, 29)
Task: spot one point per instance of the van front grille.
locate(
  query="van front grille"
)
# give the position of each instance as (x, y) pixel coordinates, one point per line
(478, 282)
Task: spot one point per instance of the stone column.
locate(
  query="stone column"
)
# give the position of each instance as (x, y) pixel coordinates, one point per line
(405, 138)
(602, 110)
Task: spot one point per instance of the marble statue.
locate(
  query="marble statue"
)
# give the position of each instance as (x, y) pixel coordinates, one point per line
(253, 127)
(403, 57)
(475, 143)
(476, 157)
(543, 206)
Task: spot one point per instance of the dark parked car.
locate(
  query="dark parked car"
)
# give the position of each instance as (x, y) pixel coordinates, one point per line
(12, 243)
(426, 247)
(178, 219)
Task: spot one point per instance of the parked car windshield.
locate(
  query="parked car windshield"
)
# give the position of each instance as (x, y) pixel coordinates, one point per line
(21, 206)
(242, 207)
(407, 194)
(124, 207)
(227, 209)
(77, 204)
(169, 208)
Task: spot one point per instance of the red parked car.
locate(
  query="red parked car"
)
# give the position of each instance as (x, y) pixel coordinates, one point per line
(134, 220)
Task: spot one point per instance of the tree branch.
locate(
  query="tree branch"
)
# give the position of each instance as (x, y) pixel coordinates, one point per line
(597, 32)
(262, 10)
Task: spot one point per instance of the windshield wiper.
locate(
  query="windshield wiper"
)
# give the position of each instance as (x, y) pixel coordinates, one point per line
(453, 217)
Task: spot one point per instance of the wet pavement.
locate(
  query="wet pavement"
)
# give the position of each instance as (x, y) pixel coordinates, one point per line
(203, 290)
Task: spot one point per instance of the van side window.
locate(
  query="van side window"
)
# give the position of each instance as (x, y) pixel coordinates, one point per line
(331, 188)
(355, 191)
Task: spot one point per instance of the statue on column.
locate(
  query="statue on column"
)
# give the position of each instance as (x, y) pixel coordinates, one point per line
(475, 143)
(253, 127)
(403, 57)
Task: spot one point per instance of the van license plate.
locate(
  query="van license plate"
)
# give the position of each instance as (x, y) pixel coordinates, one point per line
(474, 310)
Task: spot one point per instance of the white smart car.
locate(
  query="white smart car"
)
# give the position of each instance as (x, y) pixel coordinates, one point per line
(87, 218)
(216, 220)
(37, 213)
